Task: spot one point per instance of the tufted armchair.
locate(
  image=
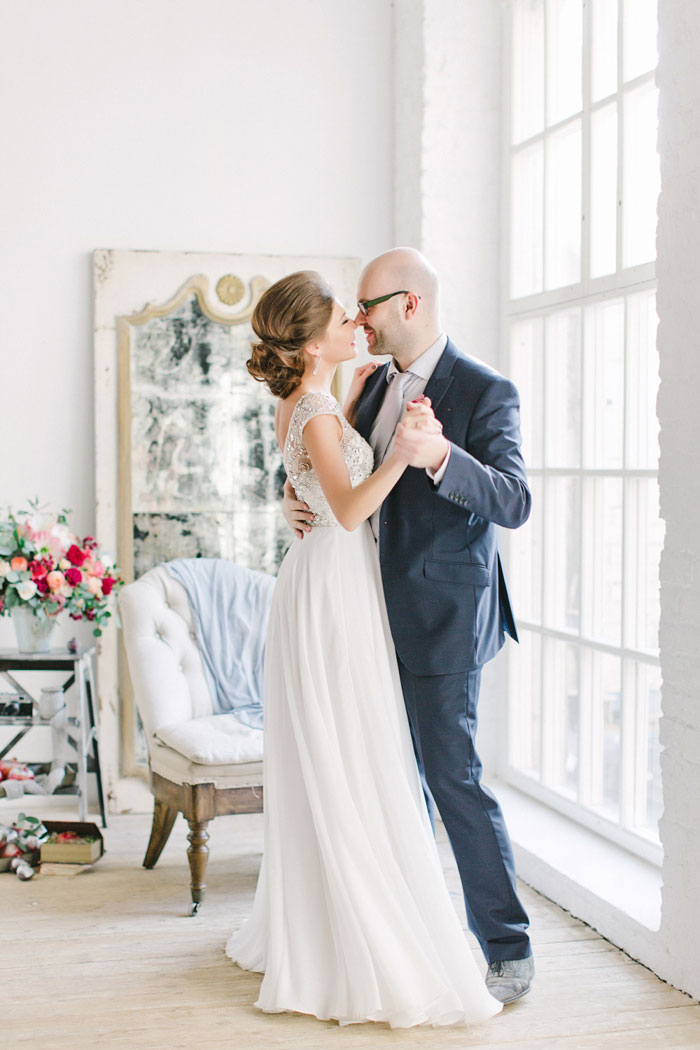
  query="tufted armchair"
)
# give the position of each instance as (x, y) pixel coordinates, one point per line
(202, 764)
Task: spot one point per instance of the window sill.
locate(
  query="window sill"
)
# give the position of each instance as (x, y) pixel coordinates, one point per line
(616, 892)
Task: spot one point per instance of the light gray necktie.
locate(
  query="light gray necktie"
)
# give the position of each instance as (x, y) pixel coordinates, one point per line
(389, 415)
(382, 435)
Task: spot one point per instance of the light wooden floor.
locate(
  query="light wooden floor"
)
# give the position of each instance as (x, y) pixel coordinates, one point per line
(111, 959)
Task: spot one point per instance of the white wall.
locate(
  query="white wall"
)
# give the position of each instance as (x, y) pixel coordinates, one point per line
(678, 272)
(207, 125)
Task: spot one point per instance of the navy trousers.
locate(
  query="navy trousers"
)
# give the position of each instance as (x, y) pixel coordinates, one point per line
(442, 713)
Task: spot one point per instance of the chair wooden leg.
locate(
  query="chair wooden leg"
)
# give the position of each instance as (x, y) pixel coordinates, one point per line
(163, 820)
(198, 855)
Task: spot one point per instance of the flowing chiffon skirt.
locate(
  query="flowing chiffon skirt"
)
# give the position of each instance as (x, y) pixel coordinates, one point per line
(352, 919)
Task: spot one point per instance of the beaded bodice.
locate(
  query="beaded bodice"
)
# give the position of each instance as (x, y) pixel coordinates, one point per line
(357, 454)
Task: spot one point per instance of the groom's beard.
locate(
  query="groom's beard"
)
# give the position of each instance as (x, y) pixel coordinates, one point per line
(382, 345)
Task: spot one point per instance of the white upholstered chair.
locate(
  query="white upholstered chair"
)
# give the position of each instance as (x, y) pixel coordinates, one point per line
(202, 764)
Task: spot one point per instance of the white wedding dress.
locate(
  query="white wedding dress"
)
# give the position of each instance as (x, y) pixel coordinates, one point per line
(352, 919)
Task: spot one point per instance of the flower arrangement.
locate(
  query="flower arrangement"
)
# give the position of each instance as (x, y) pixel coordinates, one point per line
(46, 568)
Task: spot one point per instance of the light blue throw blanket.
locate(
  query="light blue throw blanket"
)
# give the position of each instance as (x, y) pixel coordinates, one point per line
(230, 606)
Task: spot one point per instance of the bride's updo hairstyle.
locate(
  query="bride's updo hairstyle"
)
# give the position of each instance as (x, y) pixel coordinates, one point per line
(289, 315)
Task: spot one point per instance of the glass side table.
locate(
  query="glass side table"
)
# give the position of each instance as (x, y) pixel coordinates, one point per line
(79, 666)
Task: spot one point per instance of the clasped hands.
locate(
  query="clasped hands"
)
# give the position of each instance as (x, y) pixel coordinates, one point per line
(418, 438)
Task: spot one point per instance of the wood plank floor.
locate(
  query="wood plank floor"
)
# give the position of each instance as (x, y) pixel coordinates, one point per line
(111, 959)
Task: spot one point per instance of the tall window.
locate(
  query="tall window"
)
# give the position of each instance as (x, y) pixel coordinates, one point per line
(584, 693)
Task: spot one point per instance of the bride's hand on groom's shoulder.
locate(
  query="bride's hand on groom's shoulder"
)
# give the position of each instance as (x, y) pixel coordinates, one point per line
(357, 385)
(297, 514)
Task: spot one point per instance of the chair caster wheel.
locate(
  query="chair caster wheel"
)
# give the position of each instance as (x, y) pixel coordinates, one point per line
(195, 907)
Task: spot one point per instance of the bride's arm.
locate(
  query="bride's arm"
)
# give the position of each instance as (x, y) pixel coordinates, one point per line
(351, 506)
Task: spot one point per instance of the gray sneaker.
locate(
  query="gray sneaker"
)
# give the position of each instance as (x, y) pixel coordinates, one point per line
(508, 979)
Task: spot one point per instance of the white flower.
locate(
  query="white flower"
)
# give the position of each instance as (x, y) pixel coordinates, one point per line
(64, 564)
(4, 567)
(26, 589)
(108, 559)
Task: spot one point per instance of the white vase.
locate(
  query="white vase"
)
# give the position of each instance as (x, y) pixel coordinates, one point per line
(33, 632)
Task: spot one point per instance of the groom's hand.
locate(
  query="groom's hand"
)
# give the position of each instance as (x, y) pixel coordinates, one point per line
(420, 448)
(296, 513)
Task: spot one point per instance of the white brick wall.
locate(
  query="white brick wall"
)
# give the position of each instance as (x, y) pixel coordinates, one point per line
(678, 244)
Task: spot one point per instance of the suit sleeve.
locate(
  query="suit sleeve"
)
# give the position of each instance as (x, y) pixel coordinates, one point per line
(488, 478)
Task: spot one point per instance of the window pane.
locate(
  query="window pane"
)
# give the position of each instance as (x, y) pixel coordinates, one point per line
(639, 37)
(641, 178)
(526, 373)
(604, 190)
(563, 207)
(527, 69)
(602, 559)
(562, 542)
(526, 221)
(644, 542)
(561, 719)
(649, 715)
(563, 389)
(564, 51)
(603, 384)
(525, 561)
(605, 700)
(525, 674)
(642, 438)
(604, 49)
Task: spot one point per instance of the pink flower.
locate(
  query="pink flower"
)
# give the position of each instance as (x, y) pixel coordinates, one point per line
(75, 555)
(107, 584)
(95, 585)
(41, 585)
(74, 576)
(18, 563)
(89, 543)
(55, 580)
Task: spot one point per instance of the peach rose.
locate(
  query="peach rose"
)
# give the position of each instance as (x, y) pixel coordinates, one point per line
(55, 580)
(18, 564)
(95, 585)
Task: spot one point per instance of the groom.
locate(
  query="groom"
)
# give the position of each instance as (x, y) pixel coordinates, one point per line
(443, 582)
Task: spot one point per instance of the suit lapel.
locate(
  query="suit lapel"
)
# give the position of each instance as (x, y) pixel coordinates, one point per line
(370, 401)
(441, 380)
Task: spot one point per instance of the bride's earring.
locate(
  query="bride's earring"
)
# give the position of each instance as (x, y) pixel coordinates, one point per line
(318, 362)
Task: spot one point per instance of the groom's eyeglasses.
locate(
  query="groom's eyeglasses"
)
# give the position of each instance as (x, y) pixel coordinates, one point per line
(365, 305)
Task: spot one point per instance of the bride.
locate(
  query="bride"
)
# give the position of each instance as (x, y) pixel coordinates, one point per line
(352, 919)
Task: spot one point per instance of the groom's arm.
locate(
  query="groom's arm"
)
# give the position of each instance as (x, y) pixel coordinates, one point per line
(489, 480)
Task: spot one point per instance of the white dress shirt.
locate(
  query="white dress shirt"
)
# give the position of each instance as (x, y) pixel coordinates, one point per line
(418, 374)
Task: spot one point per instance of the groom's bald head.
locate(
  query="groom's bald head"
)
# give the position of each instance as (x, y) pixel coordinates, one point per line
(403, 268)
(403, 325)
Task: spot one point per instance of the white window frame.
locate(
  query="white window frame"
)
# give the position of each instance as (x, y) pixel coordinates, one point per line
(589, 290)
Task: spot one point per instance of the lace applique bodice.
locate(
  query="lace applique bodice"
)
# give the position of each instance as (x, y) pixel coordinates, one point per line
(357, 454)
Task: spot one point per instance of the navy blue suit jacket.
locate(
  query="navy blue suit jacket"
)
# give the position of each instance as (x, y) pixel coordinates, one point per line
(444, 585)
